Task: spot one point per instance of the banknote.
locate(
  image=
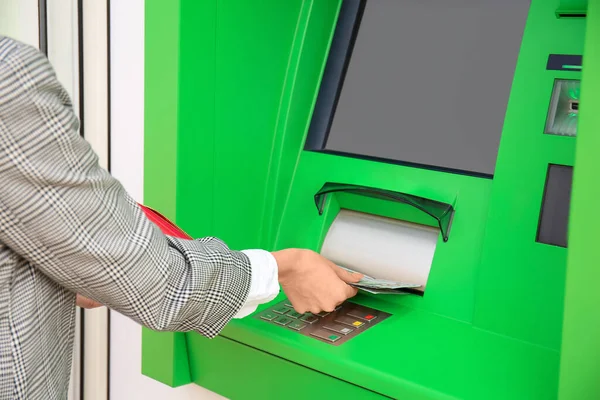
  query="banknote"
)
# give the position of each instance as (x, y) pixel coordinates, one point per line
(368, 282)
(383, 291)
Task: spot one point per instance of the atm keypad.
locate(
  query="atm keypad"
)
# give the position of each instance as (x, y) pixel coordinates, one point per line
(347, 321)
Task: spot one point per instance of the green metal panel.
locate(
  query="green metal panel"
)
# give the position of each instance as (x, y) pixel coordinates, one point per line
(261, 376)
(316, 26)
(164, 355)
(230, 93)
(161, 105)
(253, 63)
(581, 328)
(416, 355)
(520, 287)
(196, 116)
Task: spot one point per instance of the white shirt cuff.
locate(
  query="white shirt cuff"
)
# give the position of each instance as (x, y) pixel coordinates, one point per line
(264, 285)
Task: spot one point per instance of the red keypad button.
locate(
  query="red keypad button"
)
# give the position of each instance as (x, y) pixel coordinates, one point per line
(362, 314)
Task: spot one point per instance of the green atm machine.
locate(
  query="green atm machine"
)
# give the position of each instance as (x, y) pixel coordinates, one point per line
(437, 143)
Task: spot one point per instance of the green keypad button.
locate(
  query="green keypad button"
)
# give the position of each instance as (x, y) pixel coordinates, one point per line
(325, 335)
(281, 320)
(269, 316)
(296, 325)
(323, 313)
(311, 319)
(281, 310)
(294, 314)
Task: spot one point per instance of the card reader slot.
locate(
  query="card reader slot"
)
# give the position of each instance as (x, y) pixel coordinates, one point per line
(571, 9)
(567, 14)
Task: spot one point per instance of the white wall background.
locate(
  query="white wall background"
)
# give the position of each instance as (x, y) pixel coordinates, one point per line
(127, 161)
(18, 20)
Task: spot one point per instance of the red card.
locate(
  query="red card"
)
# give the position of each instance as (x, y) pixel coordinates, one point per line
(166, 226)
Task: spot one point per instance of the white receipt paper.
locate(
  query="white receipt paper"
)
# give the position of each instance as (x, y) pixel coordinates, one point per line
(380, 247)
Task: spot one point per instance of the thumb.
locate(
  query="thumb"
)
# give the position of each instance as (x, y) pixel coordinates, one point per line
(347, 276)
(351, 291)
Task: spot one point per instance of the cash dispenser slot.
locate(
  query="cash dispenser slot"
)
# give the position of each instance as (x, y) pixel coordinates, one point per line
(441, 212)
(397, 247)
(564, 62)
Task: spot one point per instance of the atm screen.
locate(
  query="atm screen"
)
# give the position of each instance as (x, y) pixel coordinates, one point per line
(420, 82)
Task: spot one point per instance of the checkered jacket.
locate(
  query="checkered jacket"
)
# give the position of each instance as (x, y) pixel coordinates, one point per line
(66, 227)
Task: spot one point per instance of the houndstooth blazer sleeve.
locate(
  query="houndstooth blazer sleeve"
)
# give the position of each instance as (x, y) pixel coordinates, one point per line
(67, 216)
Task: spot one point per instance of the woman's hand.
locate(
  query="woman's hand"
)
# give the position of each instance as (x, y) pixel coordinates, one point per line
(313, 283)
(84, 302)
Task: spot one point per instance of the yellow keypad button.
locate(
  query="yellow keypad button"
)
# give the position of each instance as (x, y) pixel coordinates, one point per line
(350, 321)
